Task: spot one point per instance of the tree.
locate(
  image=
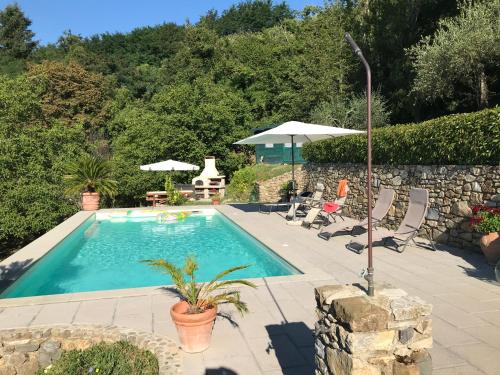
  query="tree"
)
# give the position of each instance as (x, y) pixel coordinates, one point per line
(247, 16)
(384, 28)
(460, 61)
(33, 152)
(16, 39)
(351, 112)
(72, 94)
(216, 114)
(145, 137)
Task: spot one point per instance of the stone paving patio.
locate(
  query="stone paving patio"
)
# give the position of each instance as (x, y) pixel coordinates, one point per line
(276, 338)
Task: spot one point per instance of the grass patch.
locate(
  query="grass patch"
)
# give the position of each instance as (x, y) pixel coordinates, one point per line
(242, 186)
(119, 358)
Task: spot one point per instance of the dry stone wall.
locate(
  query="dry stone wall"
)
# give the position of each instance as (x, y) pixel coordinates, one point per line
(453, 191)
(388, 334)
(24, 351)
(269, 190)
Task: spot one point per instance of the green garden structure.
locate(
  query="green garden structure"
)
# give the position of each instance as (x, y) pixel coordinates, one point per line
(277, 153)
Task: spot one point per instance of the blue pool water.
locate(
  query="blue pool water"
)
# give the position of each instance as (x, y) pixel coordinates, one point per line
(106, 254)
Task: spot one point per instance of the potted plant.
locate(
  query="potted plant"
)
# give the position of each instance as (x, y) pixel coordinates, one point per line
(194, 315)
(216, 198)
(90, 177)
(284, 192)
(486, 220)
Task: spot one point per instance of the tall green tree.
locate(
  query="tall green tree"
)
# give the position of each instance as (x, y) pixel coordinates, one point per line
(460, 62)
(16, 39)
(384, 29)
(248, 16)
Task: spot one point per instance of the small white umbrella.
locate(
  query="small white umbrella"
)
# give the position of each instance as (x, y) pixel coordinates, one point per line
(169, 165)
(295, 131)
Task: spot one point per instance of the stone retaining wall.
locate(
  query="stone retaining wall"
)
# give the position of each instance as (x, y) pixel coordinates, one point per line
(269, 190)
(388, 334)
(453, 191)
(24, 351)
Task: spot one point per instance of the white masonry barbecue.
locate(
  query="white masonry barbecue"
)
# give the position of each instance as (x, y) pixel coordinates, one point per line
(209, 182)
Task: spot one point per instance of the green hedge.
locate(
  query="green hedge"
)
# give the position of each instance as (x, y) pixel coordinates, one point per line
(463, 139)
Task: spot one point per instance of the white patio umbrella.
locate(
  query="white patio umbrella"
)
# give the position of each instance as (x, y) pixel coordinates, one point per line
(293, 132)
(169, 165)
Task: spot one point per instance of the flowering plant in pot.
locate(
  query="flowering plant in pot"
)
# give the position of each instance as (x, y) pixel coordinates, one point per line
(486, 220)
(194, 315)
(90, 176)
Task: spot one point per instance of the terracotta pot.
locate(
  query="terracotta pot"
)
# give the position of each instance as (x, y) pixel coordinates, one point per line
(215, 202)
(490, 245)
(90, 201)
(194, 330)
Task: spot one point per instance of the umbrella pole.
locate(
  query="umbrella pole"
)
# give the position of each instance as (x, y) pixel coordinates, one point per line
(294, 192)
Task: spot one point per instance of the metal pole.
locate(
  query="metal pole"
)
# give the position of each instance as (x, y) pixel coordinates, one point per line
(294, 193)
(359, 53)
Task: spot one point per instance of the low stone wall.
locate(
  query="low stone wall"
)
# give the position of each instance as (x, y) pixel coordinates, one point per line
(24, 351)
(269, 190)
(388, 334)
(453, 191)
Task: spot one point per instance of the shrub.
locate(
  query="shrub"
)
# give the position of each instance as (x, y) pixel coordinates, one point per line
(174, 197)
(120, 358)
(464, 139)
(243, 181)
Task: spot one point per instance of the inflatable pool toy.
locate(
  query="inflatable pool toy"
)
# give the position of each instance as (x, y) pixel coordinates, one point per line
(170, 217)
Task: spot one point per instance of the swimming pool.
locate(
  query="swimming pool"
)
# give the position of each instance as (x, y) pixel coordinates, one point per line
(104, 253)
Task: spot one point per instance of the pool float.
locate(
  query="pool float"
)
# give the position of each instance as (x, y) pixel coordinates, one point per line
(166, 218)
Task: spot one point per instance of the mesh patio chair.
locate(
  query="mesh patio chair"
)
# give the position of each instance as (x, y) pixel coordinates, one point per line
(303, 204)
(315, 216)
(382, 207)
(407, 231)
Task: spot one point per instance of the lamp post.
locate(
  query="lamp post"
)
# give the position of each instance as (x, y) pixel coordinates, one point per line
(359, 53)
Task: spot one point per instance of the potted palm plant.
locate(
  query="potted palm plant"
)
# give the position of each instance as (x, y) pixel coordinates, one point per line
(216, 198)
(194, 315)
(90, 177)
(486, 220)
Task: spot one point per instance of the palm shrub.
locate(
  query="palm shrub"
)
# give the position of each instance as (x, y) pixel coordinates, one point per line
(90, 174)
(202, 296)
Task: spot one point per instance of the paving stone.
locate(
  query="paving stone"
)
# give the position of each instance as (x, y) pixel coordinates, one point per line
(457, 317)
(13, 317)
(487, 334)
(482, 356)
(96, 312)
(140, 322)
(236, 364)
(460, 370)
(442, 357)
(447, 334)
(276, 352)
(492, 317)
(470, 304)
(56, 313)
(225, 345)
(193, 364)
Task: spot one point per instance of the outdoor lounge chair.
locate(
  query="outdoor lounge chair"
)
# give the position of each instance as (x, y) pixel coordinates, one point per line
(382, 206)
(407, 231)
(315, 216)
(303, 204)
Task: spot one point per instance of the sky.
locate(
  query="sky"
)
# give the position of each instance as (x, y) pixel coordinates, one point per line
(88, 17)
